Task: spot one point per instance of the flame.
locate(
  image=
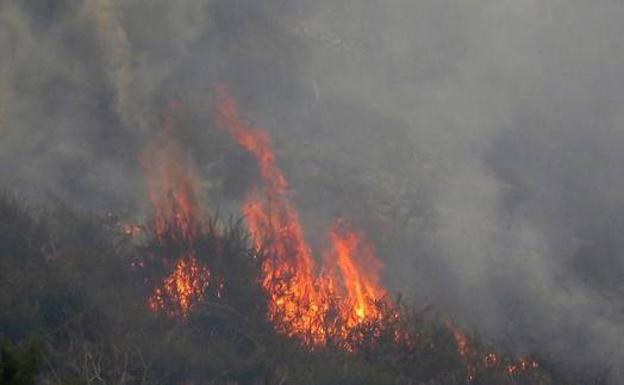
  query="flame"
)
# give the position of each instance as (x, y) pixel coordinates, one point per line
(339, 300)
(477, 361)
(173, 191)
(315, 304)
(173, 186)
(185, 286)
(358, 272)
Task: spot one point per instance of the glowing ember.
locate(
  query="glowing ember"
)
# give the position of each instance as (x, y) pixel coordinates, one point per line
(131, 230)
(521, 365)
(315, 306)
(477, 361)
(173, 191)
(460, 339)
(463, 348)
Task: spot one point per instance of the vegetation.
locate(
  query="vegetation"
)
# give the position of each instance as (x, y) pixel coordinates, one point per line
(73, 291)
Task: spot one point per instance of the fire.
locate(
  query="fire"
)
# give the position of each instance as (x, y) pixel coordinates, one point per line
(464, 350)
(173, 190)
(313, 303)
(131, 230)
(461, 340)
(173, 186)
(183, 287)
(359, 277)
(336, 299)
(477, 360)
(523, 364)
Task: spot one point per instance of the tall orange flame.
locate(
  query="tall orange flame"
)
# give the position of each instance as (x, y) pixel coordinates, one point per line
(315, 305)
(355, 268)
(173, 190)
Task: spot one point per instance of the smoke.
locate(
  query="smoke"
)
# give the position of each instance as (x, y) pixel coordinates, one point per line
(478, 144)
(80, 87)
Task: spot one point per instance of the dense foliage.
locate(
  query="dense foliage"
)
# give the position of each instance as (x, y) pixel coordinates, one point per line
(72, 311)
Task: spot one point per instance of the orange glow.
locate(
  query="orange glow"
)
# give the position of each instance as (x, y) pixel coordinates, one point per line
(357, 272)
(315, 304)
(173, 191)
(173, 186)
(131, 230)
(461, 340)
(182, 288)
(521, 365)
(336, 299)
(477, 361)
(464, 350)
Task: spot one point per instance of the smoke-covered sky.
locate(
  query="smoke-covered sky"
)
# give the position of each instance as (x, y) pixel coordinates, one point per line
(479, 144)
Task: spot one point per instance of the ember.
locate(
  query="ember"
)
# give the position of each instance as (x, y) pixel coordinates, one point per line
(476, 360)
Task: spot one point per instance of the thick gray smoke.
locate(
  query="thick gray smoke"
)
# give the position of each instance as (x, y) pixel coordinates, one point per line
(479, 144)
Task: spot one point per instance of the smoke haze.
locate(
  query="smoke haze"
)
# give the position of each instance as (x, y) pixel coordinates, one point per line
(478, 144)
